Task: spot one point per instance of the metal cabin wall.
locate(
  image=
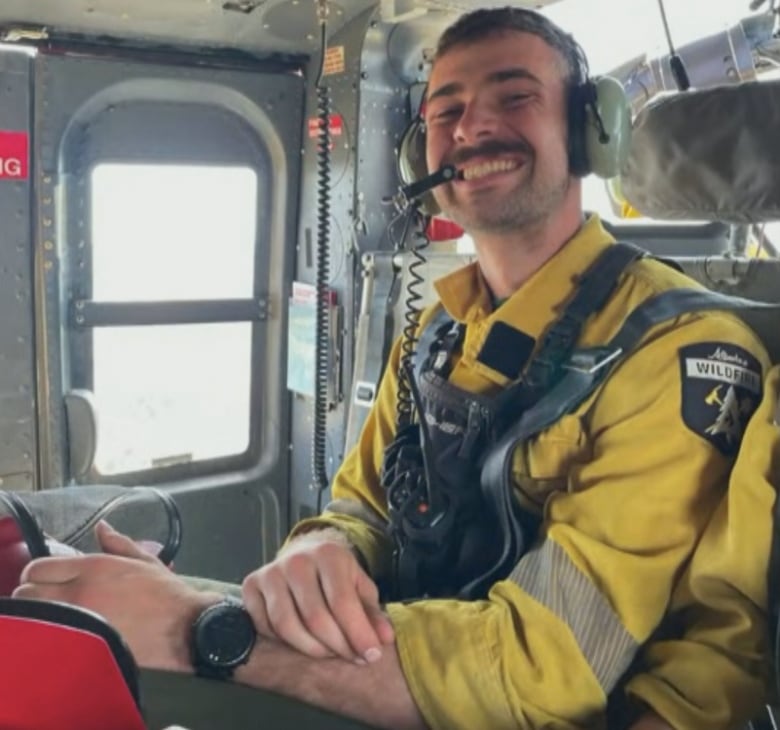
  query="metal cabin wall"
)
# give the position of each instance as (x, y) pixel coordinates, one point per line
(17, 324)
(343, 88)
(372, 100)
(234, 516)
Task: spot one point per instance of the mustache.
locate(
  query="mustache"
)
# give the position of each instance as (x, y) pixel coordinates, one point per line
(491, 147)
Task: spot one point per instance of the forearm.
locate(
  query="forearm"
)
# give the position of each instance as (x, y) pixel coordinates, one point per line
(374, 693)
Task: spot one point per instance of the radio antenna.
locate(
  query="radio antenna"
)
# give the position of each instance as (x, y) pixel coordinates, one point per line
(675, 62)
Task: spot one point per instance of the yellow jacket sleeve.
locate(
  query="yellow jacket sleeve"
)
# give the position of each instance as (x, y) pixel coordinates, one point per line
(723, 597)
(553, 640)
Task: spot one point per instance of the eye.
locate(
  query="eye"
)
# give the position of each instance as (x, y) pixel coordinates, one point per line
(516, 99)
(445, 114)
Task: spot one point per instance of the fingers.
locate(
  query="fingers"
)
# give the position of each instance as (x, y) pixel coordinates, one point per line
(280, 619)
(317, 613)
(51, 570)
(344, 595)
(320, 602)
(115, 543)
(369, 595)
(61, 579)
(39, 591)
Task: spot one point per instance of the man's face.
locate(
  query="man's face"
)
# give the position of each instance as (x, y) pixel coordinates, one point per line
(496, 109)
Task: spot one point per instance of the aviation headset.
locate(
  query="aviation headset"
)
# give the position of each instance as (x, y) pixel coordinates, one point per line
(599, 121)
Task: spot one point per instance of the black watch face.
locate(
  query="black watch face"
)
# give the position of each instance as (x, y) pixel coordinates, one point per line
(224, 636)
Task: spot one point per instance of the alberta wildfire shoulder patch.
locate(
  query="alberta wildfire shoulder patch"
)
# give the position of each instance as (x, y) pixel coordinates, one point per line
(721, 388)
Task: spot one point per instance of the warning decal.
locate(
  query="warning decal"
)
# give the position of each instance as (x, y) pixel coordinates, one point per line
(14, 155)
(334, 61)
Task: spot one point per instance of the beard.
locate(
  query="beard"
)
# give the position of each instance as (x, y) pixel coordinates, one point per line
(534, 198)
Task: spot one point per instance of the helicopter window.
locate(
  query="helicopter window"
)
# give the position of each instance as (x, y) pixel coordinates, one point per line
(173, 393)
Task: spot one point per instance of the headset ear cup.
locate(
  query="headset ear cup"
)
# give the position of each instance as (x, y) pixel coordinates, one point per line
(606, 158)
(411, 162)
(588, 152)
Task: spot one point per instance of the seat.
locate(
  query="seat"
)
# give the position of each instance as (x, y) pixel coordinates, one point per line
(66, 670)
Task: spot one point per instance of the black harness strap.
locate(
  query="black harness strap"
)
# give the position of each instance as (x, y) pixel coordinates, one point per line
(588, 368)
(594, 288)
(426, 538)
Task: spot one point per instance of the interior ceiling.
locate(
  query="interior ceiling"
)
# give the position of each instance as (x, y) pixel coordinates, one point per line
(255, 26)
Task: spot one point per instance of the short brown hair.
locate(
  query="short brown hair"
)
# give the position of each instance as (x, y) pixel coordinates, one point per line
(483, 23)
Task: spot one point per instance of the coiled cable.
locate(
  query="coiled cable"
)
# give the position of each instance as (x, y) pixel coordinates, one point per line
(412, 312)
(322, 316)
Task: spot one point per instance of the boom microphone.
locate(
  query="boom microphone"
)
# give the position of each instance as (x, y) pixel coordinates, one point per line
(418, 188)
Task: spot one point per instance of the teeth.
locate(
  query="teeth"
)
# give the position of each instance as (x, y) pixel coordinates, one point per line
(486, 168)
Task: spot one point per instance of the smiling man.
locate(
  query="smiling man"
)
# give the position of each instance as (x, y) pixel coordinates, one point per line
(612, 498)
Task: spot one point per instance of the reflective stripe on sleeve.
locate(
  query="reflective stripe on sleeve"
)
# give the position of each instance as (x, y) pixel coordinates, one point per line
(549, 576)
(353, 508)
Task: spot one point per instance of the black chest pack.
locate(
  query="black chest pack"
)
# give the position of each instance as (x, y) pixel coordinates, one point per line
(456, 525)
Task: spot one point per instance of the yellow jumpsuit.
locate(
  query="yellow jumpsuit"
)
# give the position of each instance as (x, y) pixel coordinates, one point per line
(710, 676)
(625, 485)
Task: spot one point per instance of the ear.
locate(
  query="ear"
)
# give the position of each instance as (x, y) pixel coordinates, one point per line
(606, 157)
(411, 162)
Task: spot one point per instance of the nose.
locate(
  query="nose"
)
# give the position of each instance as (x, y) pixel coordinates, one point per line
(477, 121)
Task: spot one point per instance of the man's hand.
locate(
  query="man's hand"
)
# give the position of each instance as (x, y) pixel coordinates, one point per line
(317, 599)
(147, 604)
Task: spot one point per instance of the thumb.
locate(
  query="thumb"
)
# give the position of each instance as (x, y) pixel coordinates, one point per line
(115, 543)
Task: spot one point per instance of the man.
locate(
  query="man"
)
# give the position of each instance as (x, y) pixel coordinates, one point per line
(625, 484)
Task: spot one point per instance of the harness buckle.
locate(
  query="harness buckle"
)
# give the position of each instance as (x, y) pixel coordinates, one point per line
(592, 360)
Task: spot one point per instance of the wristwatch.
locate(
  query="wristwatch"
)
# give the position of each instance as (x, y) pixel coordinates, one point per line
(223, 637)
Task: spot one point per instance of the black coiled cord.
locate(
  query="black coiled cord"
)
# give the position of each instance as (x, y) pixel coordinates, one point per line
(412, 311)
(319, 439)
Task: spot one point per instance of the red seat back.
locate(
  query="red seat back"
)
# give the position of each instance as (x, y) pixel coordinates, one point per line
(62, 668)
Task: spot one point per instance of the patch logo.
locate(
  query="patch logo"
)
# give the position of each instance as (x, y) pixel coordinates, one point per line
(721, 388)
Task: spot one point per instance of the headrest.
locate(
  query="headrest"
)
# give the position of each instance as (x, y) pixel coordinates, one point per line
(707, 155)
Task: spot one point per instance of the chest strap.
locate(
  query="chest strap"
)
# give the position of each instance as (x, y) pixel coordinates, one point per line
(587, 368)
(593, 290)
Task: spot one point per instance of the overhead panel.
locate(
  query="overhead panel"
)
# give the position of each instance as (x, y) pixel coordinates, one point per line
(254, 26)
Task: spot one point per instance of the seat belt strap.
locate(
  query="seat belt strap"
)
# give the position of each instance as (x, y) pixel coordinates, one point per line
(587, 368)
(593, 290)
